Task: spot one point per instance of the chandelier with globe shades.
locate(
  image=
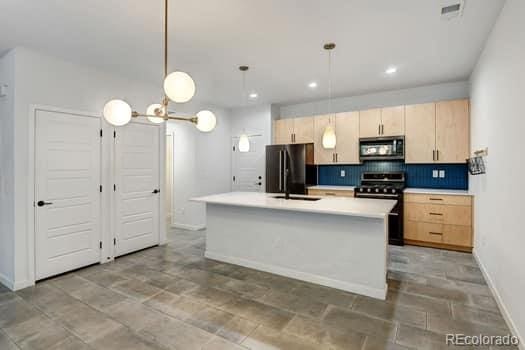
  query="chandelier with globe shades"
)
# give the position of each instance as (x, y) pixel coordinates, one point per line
(179, 87)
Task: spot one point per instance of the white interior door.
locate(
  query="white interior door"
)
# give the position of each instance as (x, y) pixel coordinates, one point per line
(67, 203)
(248, 167)
(137, 202)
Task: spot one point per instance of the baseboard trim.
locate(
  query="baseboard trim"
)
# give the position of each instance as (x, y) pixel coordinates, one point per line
(7, 282)
(188, 227)
(377, 293)
(501, 305)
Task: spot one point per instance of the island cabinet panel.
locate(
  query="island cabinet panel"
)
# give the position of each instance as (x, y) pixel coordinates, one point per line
(283, 131)
(452, 131)
(347, 133)
(322, 155)
(330, 193)
(420, 133)
(443, 221)
(393, 121)
(370, 123)
(303, 130)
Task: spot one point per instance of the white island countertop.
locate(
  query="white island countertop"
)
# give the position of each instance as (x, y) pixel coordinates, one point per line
(331, 188)
(349, 206)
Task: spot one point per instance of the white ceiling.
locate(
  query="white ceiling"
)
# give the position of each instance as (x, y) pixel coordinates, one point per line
(281, 40)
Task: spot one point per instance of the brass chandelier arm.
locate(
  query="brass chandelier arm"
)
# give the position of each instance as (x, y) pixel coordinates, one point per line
(192, 119)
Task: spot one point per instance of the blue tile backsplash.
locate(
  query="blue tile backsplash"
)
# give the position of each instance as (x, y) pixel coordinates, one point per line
(417, 175)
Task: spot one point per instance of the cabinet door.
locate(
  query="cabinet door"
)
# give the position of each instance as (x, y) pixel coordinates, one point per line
(420, 133)
(347, 132)
(393, 121)
(283, 130)
(322, 156)
(304, 130)
(452, 131)
(369, 123)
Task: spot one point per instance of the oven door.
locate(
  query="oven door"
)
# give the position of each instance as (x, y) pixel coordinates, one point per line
(382, 148)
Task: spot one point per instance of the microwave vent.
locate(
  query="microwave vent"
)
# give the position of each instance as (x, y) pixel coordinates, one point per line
(452, 9)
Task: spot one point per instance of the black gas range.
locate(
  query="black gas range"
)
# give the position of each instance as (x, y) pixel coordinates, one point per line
(386, 185)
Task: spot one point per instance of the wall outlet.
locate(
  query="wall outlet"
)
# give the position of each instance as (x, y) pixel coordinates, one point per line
(435, 173)
(343, 173)
(442, 174)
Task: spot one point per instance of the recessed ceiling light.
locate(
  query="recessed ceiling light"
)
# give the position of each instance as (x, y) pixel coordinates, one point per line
(391, 70)
(312, 85)
(253, 95)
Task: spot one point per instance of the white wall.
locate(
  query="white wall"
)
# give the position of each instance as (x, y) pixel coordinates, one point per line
(498, 122)
(422, 94)
(45, 80)
(252, 120)
(7, 163)
(201, 165)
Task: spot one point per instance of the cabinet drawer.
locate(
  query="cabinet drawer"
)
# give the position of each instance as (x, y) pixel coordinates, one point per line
(438, 233)
(423, 231)
(337, 193)
(443, 214)
(438, 199)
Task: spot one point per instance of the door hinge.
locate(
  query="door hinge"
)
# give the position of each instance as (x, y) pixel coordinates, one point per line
(100, 132)
(114, 187)
(100, 188)
(234, 179)
(114, 134)
(234, 148)
(100, 244)
(114, 241)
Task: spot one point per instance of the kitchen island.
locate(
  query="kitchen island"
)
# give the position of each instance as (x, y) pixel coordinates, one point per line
(336, 242)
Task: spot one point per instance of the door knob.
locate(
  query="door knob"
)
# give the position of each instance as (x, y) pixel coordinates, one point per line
(42, 203)
(155, 191)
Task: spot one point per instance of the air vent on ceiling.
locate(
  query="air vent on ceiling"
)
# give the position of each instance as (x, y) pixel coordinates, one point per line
(452, 9)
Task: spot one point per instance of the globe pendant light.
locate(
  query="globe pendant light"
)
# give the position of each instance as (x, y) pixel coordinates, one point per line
(329, 137)
(179, 87)
(244, 141)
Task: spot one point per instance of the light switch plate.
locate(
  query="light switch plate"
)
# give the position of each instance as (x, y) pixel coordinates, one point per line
(343, 173)
(442, 174)
(435, 173)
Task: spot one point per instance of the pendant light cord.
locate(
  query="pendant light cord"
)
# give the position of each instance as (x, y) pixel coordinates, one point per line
(165, 38)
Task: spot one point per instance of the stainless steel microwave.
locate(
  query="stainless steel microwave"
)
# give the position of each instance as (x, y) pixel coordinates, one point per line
(382, 148)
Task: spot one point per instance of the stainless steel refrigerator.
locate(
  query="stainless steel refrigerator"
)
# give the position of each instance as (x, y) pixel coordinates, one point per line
(290, 168)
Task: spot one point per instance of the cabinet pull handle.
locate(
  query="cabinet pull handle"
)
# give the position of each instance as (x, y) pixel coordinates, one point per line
(329, 194)
(437, 154)
(336, 160)
(382, 129)
(434, 154)
(436, 214)
(435, 199)
(436, 233)
(379, 129)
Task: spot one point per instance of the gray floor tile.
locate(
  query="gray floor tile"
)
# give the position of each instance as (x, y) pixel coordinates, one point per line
(264, 338)
(124, 339)
(474, 315)
(218, 343)
(237, 329)
(181, 285)
(98, 297)
(136, 289)
(269, 316)
(133, 314)
(16, 312)
(373, 343)
(347, 320)
(176, 306)
(37, 333)
(210, 295)
(176, 334)
(300, 305)
(209, 319)
(419, 302)
(6, 343)
(104, 278)
(446, 325)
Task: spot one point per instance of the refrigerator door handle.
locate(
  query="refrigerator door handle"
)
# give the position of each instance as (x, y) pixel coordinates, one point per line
(280, 170)
(285, 170)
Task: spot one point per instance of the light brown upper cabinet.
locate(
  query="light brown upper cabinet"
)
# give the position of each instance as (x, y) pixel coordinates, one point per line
(293, 130)
(347, 133)
(370, 123)
(452, 131)
(437, 132)
(393, 121)
(388, 121)
(346, 127)
(322, 155)
(420, 133)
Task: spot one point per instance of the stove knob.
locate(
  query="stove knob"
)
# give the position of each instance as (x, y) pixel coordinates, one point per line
(369, 190)
(385, 190)
(377, 190)
(393, 190)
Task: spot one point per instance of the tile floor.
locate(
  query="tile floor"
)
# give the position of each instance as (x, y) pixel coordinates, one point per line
(171, 297)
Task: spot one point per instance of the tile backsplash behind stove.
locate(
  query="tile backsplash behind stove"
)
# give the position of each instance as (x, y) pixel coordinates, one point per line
(417, 175)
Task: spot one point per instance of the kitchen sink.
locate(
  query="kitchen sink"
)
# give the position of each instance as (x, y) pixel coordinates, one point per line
(311, 199)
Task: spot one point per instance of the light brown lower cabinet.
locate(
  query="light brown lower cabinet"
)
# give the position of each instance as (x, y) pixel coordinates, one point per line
(438, 221)
(328, 193)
